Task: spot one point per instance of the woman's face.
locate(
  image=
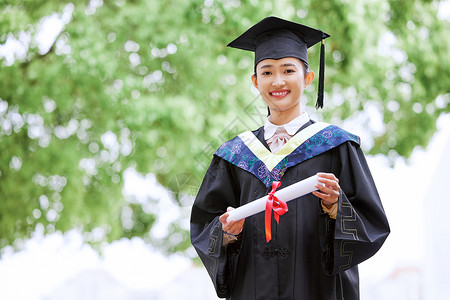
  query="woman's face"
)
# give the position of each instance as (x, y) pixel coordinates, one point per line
(281, 83)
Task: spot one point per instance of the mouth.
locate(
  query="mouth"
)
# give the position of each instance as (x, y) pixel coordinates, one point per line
(279, 93)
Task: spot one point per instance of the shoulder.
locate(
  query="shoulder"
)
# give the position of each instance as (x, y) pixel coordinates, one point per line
(334, 132)
(238, 140)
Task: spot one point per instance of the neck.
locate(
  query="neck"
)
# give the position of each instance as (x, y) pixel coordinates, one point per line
(284, 117)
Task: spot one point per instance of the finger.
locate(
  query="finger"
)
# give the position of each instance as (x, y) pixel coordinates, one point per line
(328, 189)
(327, 175)
(232, 227)
(329, 179)
(334, 183)
(223, 219)
(328, 186)
(332, 197)
(322, 196)
(226, 228)
(236, 227)
(329, 193)
(328, 202)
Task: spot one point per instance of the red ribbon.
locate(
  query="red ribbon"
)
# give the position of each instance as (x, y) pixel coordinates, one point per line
(278, 206)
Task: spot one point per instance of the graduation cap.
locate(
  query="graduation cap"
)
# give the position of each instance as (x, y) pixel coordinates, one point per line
(275, 38)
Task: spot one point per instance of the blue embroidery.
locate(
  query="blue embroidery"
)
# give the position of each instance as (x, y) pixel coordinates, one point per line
(236, 152)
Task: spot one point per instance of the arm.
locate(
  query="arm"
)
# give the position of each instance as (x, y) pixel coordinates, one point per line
(231, 230)
(217, 192)
(328, 193)
(361, 226)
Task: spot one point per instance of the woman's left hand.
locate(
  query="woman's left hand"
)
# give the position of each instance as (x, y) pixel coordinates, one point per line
(329, 194)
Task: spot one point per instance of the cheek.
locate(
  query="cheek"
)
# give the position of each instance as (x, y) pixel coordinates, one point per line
(300, 85)
(263, 86)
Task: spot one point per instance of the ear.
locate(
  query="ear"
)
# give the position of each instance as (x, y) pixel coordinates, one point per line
(255, 81)
(309, 78)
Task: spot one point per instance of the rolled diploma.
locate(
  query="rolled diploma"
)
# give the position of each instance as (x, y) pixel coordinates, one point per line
(286, 194)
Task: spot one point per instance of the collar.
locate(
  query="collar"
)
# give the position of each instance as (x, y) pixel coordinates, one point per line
(291, 128)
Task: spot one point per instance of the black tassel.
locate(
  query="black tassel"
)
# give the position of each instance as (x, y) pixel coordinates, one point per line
(319, 103)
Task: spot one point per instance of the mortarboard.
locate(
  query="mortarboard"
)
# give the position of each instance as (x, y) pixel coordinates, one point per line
(275, 38)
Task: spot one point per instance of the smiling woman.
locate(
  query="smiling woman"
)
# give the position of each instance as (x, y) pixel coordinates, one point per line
(281, 84)
(322, 236)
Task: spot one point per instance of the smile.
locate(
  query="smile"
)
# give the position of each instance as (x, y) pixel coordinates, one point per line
(279, 94)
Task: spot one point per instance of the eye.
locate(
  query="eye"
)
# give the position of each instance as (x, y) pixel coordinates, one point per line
(289, 71)
(265, 73)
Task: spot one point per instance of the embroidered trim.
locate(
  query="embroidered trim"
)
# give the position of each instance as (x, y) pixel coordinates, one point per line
(271, 251)
(271, 160)
(240, 151)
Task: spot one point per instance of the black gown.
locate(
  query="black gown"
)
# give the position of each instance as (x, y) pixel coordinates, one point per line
(310, 256)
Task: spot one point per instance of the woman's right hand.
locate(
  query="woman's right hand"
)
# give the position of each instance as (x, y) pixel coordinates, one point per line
(232, 227)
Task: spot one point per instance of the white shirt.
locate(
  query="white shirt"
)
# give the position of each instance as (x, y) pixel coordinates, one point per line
(291, 128)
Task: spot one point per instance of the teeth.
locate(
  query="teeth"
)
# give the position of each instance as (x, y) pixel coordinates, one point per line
(279, 93)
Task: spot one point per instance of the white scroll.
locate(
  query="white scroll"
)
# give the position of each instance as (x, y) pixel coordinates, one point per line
(286, 194)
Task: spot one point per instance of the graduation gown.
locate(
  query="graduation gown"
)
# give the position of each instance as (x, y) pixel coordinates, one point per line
(310, 255)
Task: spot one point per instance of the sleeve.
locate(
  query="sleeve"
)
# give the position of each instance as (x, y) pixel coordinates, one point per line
(361, 226)
(218, 191)
(332, 211)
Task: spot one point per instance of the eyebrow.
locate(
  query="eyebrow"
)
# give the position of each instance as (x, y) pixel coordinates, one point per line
(283, 65)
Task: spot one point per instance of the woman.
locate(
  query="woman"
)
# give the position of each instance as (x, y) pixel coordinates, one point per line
(314, 250)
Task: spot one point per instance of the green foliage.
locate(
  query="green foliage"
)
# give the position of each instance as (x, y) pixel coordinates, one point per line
(151, 85)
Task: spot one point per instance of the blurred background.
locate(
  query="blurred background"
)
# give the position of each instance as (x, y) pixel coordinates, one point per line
(110, 112)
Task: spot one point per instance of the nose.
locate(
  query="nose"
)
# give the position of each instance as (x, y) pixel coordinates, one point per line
(278, 81)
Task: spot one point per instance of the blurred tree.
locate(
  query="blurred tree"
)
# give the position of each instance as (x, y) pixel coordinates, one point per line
(150, 85)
